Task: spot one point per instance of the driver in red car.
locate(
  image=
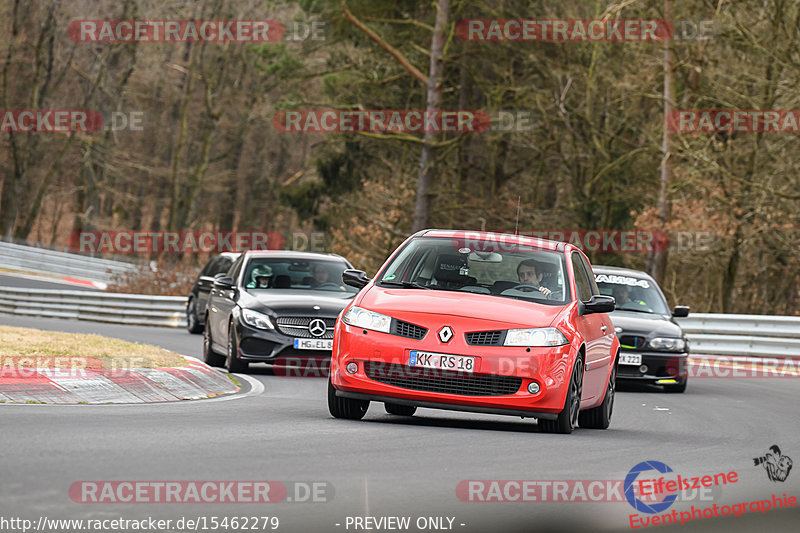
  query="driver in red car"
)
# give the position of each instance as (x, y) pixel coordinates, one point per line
(529, 273)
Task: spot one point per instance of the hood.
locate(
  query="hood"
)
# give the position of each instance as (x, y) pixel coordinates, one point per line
(410, 304)
(645, 324)
(296, 303)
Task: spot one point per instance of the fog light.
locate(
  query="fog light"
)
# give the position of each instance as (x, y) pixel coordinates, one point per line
(352, 368)
(533, 387)
(643, 369)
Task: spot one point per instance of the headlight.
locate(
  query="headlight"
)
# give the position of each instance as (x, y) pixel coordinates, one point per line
(667, 344)
(535, 337)
(256, 319)
(361, 318)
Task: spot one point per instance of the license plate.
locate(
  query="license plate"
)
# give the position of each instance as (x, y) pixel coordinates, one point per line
(313, 344)
(442, 361)
(630, 359)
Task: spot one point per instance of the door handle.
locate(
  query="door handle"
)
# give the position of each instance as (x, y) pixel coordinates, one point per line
(603, 329)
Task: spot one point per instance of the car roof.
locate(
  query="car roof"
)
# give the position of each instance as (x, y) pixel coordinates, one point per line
(496, 236)
(293, 254)
(604, 269)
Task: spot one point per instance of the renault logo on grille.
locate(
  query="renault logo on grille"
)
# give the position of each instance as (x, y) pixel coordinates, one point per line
(445, 334)
(317, 327)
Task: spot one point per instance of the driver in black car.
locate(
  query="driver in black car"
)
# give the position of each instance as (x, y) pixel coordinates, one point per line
(529, 273)
(320, 275)
(622, 296)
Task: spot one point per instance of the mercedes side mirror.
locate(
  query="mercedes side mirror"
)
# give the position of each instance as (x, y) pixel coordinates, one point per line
(223, 283)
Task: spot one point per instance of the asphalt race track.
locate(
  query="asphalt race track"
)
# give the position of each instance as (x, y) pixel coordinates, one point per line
(386, 466)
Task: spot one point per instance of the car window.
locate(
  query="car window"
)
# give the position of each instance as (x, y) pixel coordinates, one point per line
(236, 267)
(632, 293)
(288, 273)
(584, 288)
(489, 267)
(592, 282)
(221, 264)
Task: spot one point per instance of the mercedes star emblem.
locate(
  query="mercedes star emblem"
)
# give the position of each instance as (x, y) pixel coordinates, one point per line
(317, 327)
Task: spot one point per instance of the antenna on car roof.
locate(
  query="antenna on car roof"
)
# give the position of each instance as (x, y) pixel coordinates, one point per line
(516, 224)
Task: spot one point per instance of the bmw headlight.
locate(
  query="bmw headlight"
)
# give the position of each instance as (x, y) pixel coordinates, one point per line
(668, 344)
(361, 318)
(256, 319)
(535, 337)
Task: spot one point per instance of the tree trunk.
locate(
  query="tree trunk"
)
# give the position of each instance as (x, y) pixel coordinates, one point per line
(657, 260)
(423, 202)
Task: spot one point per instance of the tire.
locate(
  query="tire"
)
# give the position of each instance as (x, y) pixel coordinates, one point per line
(600, 417)
(210, 357)
(400, 410)
(233, 363)
(568, 417)
(345, 407)
(192, 324)
(677, 389)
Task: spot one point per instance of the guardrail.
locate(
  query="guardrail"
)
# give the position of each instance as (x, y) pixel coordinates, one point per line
(709, 334)
(134, 309)
(42, 260)
(742, 335)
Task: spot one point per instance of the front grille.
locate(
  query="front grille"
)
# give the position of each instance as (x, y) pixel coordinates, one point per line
(485, 338)
(406, 329)
(297, 326)
(632, 342)
(442, 381)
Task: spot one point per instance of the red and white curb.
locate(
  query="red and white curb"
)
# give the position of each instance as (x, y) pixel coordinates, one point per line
(138, 385)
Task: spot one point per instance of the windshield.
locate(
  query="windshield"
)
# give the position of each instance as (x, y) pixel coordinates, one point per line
(492, 268)
(270, 274)
(632, 294)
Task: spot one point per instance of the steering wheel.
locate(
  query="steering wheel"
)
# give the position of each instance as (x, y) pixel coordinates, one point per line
(328, 284)
(523, 287)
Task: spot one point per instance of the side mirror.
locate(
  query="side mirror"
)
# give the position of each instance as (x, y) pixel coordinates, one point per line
(223, 283)
(355, 278)
(680, 311)
(599, 304)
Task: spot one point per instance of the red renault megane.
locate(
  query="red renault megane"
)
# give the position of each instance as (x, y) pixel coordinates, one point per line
(480, 322)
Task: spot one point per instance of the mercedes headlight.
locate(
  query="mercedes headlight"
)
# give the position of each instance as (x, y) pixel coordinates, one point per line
(535, 337)
(256, 319)
(668, 344)
(361, 318)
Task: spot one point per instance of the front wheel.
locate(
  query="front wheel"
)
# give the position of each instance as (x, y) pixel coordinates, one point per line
(192, 324)
(210, 357)
(233, 363)
(345, 407)
(568, 417)
(600, 417)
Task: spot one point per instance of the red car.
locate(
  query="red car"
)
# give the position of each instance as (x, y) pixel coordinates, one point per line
(479, 322)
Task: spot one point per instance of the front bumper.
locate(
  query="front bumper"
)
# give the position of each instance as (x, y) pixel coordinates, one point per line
(656, 366)
(271, 346)
(382, 356)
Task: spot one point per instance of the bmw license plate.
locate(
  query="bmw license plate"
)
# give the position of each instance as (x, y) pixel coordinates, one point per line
(630, 359)
(442, 361)
(313, 344)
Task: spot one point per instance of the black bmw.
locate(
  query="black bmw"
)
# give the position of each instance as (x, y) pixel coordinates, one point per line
(273, 305)
(653, 348)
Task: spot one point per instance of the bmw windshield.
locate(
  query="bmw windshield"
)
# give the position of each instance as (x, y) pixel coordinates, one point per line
(495, 269)
(632, 294)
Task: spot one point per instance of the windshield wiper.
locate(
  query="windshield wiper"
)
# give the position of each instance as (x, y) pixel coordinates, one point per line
(635, 310)
(406, 284)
